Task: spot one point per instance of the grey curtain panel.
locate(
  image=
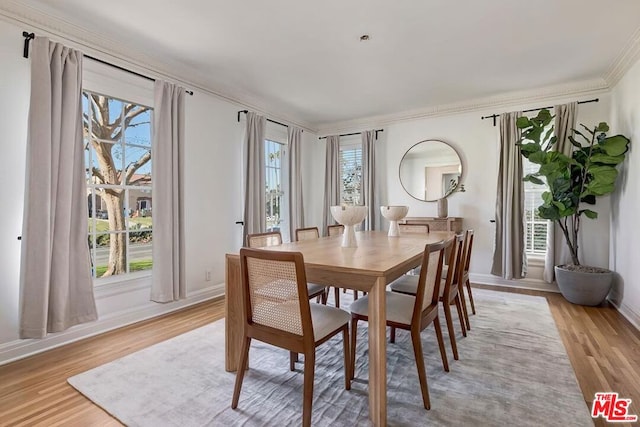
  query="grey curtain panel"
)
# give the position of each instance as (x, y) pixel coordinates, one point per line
(167, 156)
(331, 181)
(296, 210)
(56, 288)
(508, 258)
(557, 250)
(368, 178)
(255, 219)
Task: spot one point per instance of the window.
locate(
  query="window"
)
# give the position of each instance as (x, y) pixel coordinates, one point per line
(117, 141)
(273, 153)
(535, 227)
(351, 174)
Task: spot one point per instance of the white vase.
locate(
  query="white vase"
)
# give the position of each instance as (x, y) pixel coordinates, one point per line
(443, 208)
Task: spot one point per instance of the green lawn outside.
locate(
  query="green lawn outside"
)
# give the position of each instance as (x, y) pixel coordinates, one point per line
(140, 265)
(102, 225)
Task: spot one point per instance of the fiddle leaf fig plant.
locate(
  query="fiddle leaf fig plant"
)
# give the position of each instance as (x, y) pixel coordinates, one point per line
(573, 181)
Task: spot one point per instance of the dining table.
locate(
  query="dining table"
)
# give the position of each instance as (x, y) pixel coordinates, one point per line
(376, 261)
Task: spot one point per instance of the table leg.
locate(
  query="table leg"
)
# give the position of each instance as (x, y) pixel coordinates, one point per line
(378, 354)
(233, 307)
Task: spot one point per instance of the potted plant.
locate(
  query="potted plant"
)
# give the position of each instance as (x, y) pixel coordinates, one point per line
(573, 182)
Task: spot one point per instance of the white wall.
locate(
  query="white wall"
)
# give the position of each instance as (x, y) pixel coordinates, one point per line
(213, 199)
(477, 142)
(625, 202)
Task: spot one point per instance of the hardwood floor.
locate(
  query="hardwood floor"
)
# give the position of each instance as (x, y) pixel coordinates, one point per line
(604, 349)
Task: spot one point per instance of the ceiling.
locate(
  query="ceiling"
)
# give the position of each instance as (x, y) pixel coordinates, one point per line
(304, 60)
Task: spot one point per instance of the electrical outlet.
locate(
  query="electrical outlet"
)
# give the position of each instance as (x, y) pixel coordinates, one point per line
(207, 275)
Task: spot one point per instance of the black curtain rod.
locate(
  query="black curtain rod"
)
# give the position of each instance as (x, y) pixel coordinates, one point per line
(354, 133)
(30, 36)
(269, 120)
(494, 116)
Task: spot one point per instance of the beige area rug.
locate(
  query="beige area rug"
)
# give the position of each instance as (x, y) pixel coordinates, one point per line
(513, 370)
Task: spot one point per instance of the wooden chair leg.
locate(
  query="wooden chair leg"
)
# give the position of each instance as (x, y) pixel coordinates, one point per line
(463, 302)
(463, 326)
(293, 358)
(336, 295)
(242, 367)
(354, 334)
(452, 335)
(473, 306)
(307, 397)
(347, 358)
(355, 295)
(443, 352)
(422, 374)
(324, 296)
(392, 335)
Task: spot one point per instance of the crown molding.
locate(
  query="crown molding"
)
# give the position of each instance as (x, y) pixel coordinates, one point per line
(120, 54)
(624, 61)
(498, 103)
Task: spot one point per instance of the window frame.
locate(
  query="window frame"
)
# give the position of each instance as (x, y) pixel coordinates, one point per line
(357, 160)
(126, 188)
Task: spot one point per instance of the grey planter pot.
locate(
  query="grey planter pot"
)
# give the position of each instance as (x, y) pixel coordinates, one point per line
(583, 288)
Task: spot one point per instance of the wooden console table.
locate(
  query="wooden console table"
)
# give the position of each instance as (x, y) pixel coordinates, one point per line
(450, 223)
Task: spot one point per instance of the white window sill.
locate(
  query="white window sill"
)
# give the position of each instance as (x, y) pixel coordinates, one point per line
(535, 260)
(114, 285)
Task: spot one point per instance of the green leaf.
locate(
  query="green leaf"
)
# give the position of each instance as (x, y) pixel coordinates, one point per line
(606, 159)
(532, 178)
(599, 189)
(615, 145)
(590, 199)
(602, 127)
(527, 149)
(523, 122)
(574, 142)
(603, 174)
(589, 213)
(538, 157)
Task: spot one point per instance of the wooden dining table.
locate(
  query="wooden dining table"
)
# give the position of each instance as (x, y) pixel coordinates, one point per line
(374, 263)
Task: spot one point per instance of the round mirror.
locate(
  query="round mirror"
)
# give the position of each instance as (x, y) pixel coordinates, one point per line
(430, 170)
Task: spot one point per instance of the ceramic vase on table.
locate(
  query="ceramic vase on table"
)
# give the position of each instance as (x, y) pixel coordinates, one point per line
(394, 214)
(443, 208)
(349, 216)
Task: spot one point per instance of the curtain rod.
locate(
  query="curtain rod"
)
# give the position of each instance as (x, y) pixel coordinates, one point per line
(494, 116)
(355, 133)
(30, 36)
(269, 120)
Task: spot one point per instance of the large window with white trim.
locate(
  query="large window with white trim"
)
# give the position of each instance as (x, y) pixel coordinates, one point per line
(351, 174)
(117, 142)
(535, 227)
(274, 194)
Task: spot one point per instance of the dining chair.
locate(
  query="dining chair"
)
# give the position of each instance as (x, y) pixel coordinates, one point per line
(335, 230)
(274, 238)
(450, 291)
(312, 233)
(412, 313)
(465, 282)
(277, 311)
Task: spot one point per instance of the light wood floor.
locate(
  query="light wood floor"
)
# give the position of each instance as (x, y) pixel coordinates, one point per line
(603, 347)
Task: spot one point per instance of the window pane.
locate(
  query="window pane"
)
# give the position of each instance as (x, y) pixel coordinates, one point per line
(140, 250)
(138, 165)
(138, 129)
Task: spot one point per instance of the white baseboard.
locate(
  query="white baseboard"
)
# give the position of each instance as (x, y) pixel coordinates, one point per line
(533, 284)
(19, 349)
(630, 314)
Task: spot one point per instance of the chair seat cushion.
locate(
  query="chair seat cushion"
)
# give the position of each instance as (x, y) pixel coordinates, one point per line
(327, 319)
(405, 285)
(399, 307)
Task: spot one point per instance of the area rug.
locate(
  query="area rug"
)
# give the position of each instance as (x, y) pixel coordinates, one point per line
(513, 370)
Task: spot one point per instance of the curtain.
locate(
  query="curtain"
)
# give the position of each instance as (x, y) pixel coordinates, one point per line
(331, 181)
(56, 288)
(508, 258)
(557, 250)
(296, 211)
(368, 178)
(255, 219)
(168, 193)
